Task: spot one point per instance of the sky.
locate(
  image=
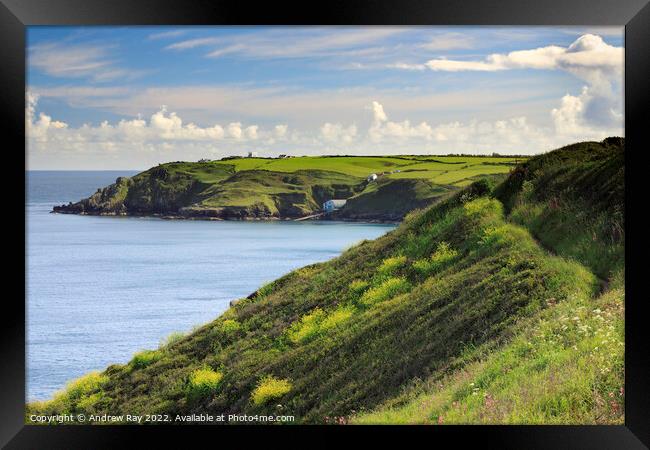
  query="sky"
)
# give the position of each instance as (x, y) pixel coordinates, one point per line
(133, 97)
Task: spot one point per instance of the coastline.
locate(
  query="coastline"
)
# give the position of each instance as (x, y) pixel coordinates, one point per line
(231, 218)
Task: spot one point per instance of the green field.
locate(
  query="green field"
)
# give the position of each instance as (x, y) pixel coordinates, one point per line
(453, 168)
(500, 303)
(285, 188)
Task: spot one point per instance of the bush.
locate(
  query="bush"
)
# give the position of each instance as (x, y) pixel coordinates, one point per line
(318, 322)
(442, 257)
(230, 326)
(145, 358)
(85, 385)
(386, 290)
(89, 402)
(203, 382)
(336, 318)
(390, 265)
(172, 339)
(307, 328)
(265, 290)
(270, 388)
(78, 394)
(358, 286)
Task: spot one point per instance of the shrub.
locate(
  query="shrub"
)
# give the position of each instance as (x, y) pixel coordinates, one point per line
(203, 382)
(318, 322)
(336, 318)
(230, 326)
(527, 189)
(390, 265)
(86, 403)
(386, 290)
(172, 339)
(483, 207)
(270, 388)
(85, 385)
(145, 358)
(493, 238)
(358, 286)
(78, 394)
(439, 260)
(307, 327)
(265, 290)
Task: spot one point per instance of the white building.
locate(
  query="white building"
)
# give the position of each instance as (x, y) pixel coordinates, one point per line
(252, 154)
(333, 205)
(372, 177)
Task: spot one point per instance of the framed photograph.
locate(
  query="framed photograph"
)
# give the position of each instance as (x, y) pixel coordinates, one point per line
(409, 218)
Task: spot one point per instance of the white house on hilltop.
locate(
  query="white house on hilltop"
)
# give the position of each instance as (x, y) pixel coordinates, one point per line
(333, 205)
(252, 154)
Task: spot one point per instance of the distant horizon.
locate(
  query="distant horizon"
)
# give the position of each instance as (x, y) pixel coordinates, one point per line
(464, 155)
(98, 98)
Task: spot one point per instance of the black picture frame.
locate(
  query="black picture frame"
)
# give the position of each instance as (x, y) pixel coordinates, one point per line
(16, 15)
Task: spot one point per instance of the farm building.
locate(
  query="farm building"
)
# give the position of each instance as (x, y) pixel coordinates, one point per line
(252, 154)
(372, 177)
(333, 205)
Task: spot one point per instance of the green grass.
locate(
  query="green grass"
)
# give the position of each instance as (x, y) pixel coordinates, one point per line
(385, 291)
(293, 187)
(270, 388)
(360, 166)
(566, 367)
(145, 358)
(573, 201)
(443, 256)
(203, 382)
(473, 310)
(390, 265)
(82, 394)
(392, 199)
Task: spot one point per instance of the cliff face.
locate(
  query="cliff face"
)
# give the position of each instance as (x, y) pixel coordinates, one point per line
(255, 194)
(188, 190)
(288, 188)
(391, 199)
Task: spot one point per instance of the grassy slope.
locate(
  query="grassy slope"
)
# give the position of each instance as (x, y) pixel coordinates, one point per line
(565, 365)
(391, 199)
(293, 187)
(459, 315)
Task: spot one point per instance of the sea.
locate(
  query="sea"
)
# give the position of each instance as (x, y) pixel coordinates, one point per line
(99, 289)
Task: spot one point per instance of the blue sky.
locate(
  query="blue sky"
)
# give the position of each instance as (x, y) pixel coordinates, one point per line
(131, 97)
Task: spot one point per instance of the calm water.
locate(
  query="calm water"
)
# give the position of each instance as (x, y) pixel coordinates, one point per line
(101, 288)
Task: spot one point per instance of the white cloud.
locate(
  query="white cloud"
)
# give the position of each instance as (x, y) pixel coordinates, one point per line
(165, 136)
(251, 132)
(192, 43)
(164, 122)
(335, 132)
(407, 66)
(78, 61)
(589, 58)
(234, 130)
(579, 115)
(166, 34)
(381, 127)
(308, 108)
(450, 41)
(295, 43)
(378, 114)
(162, 127)
(281, 130)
